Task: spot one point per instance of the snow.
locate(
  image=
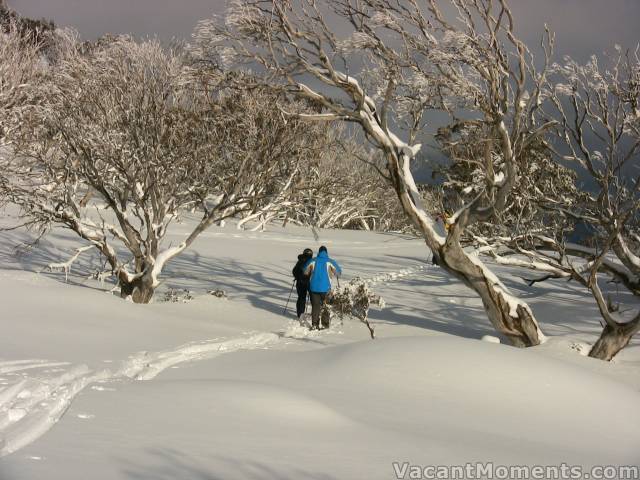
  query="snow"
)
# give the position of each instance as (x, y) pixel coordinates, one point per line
(95, 387)
(490, 339)
(163, 258)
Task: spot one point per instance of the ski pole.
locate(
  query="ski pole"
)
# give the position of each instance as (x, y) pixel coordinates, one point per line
(284, 312)
(307, 300)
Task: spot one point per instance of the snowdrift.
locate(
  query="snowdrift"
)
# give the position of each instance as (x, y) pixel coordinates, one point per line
(95, 387)
(342, 412)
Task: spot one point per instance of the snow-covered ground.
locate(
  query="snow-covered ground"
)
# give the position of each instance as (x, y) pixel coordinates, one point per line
(95, 387)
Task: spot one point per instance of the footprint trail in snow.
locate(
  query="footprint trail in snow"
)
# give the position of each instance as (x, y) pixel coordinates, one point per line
(35, 394)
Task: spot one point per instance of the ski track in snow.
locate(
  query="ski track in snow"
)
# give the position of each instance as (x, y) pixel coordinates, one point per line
(32, 400)
(146, 366)
(35, 401)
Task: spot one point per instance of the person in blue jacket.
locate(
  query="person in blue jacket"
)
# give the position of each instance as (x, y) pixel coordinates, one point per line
(320, 269)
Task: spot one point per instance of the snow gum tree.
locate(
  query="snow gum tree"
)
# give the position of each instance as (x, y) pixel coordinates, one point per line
(590, 180)
(125, 138)
(341, 189)
(541, 180)
(385, 66)
(19, 65)
(599, 108)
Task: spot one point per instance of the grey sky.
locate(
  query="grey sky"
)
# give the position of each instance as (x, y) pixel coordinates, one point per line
(582, 27)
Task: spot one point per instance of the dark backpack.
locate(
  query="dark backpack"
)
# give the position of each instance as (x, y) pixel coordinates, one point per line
(298, 272)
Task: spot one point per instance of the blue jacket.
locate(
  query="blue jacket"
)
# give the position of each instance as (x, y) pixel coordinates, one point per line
(321, 269)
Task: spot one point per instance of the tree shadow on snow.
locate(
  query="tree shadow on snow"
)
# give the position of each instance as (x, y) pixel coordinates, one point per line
(562, 307)
(171, 464)
(266, 286)
(435, 300)
(18, 252)
(237, 278)
(440, 312)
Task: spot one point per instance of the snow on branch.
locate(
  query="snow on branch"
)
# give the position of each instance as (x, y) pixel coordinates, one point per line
(66, 266)
(127, 126)
(412, 60)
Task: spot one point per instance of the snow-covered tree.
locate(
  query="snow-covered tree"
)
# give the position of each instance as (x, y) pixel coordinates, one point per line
(599, 139)
(396, 63)
(129, 126)
(19, 65)
(599, 107)
(340, 189)
(37, 32)
(541, 180)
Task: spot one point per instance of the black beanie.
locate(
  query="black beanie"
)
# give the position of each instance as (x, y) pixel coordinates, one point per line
(322, 249)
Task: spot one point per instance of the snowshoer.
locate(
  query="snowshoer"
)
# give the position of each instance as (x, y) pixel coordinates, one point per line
(302, 281)
(320, 270)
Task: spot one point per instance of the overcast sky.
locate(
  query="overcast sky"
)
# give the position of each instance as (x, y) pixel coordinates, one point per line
(582, 27)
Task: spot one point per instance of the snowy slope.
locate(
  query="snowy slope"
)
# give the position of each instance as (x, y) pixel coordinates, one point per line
(94, 387)
(341, 412)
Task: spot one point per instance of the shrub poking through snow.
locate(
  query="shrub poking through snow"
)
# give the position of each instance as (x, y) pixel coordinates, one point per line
(177, 296)
(218, 293)
(354, 300)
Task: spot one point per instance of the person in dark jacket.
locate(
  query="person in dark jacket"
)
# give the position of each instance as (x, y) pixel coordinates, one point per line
(320, 270)
(302, 281)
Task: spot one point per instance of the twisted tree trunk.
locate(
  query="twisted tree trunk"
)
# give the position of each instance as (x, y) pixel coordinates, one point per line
(510, 316)
(141, 289)
(614, 337)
